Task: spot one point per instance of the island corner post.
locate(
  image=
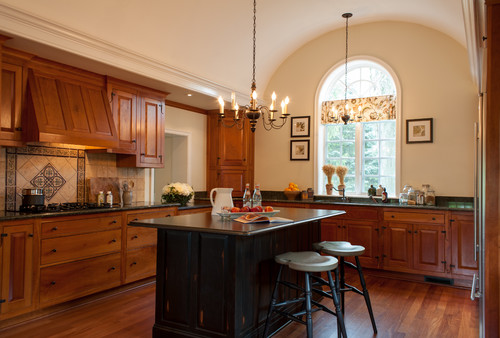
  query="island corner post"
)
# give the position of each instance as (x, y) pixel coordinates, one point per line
(214, 278)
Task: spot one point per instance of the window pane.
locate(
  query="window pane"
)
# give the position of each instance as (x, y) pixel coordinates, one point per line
(348, 149)
(371, 149)
(349, 184)
(387, 148)
(333, 149)
(371, 167)
(350, 164)
(387, 166)
(348, 131)
(389, 184)
(388, 129)
(370, 131)
(333, 132)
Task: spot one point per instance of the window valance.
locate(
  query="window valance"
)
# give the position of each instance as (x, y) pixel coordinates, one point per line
(365, 109)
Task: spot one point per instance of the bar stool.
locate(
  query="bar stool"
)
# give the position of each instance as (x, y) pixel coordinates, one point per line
(341, 250)
(308, 262)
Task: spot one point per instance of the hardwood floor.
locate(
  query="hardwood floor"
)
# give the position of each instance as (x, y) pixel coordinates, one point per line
(402, 309)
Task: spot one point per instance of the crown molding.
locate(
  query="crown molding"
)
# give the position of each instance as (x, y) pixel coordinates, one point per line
(30, 26)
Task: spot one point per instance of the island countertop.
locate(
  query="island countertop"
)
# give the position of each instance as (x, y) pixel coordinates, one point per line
(206, 222)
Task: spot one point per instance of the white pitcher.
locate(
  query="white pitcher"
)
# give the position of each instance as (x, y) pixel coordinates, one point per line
(222, 199)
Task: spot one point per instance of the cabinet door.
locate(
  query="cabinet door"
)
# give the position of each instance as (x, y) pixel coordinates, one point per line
(397, 246)
(124, 109)
(233, 146)
(462, 247)
(11, 97)
(331, 230)
(364, 233)
(152, 133)
(17, 268)
(234, 178)
(428, 248)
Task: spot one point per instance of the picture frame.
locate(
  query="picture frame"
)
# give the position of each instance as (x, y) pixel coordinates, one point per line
(300, 126)
(299, 150)
(419, 131)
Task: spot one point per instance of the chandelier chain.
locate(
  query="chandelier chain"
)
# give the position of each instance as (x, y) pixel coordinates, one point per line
(346, 54)
(254, 37)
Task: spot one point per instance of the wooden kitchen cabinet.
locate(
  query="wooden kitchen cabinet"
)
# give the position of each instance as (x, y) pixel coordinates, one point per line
(414, 241)
(140, 251)
(462, 244)
(230, 155)
(16, 268)
(152, 133)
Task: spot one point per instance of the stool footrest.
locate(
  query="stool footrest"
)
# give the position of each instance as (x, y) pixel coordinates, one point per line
(290, 301)
(353, 289)
(352, 265)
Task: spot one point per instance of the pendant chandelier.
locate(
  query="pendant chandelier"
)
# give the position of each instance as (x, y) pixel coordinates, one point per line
(253, 111)
(345, 114)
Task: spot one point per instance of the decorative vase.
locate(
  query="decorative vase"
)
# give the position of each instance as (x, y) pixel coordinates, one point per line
(329, 189)
(341, 190)
(128, 197)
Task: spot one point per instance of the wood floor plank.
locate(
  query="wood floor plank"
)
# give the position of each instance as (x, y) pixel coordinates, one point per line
(402, 310)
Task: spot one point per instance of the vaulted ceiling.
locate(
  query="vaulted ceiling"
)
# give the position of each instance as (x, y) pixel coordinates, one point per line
(198, 46)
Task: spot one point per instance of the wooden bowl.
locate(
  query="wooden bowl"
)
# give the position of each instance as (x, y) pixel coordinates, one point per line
(291, 195)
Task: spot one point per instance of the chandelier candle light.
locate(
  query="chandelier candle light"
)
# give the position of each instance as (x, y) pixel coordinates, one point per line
(253, 111)
(345, 114)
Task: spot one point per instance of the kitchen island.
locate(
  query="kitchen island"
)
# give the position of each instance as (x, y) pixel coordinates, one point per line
(214, 277)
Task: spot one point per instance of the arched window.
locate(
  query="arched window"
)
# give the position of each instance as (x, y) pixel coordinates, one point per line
(369, 148)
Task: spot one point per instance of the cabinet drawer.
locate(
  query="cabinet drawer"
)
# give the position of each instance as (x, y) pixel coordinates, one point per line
(72, 226)
(140, 263)
(138, 237)
(67, 248)
(72, 280)
(414, 217)
(151, 214)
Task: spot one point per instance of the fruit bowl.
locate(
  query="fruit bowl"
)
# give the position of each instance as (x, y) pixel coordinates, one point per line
(291, 195)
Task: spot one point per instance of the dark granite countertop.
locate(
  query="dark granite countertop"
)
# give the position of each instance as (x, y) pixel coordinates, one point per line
(14, 215)
(206, 222)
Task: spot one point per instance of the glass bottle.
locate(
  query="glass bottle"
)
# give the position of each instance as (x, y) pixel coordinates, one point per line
(247, 196)
(257, 197)
(420, 197)
(109, 199)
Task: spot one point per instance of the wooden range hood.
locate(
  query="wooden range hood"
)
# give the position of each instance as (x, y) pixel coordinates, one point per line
(67, 106)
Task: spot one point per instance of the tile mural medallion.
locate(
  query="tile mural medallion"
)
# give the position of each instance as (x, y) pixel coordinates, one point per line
(59, 171)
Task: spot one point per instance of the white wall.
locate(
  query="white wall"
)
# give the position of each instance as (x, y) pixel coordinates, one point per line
(193, 126)
(434, 74)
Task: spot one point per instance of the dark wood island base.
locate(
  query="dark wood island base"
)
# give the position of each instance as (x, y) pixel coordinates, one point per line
(214, 278)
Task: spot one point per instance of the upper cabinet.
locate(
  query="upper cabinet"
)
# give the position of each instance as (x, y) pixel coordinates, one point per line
(66, 105)
(230, 155)
(139, 115)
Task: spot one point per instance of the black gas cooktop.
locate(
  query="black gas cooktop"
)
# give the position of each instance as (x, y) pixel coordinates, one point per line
(59, 207)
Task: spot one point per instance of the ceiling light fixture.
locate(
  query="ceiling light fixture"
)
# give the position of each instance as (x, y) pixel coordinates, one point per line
(344, 114)
(253, 111)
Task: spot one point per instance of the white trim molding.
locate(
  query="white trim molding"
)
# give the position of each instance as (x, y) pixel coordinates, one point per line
(19, 23)
(474, 24)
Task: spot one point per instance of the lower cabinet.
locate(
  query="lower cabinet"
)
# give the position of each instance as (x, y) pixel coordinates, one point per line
(462, 248)
(16, 268)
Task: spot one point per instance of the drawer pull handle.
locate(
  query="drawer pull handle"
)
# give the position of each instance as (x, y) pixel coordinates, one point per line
(392, 216)
(134, 263)
(135, 236)
(167, 215)
(433, 218)
(409, 231)
(31, 235)
(112, 268)
(114, 221)
(53, 283)
(54, 250)
(54, 229)
(113, 240)
(135, 219)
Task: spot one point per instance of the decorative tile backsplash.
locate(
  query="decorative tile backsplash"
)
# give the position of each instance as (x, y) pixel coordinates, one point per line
(59, 171)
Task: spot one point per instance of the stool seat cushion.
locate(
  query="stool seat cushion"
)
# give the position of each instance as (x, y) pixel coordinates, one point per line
(339, 248)
(308, 261)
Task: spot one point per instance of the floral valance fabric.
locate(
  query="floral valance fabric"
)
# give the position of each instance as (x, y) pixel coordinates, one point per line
(364, 109)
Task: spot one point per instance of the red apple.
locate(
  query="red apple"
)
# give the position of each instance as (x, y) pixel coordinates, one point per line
(245, 209)
(256, 209)
(268, 209)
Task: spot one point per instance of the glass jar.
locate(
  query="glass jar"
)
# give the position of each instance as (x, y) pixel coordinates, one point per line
(420, 197)
(430, 198)
(403, 196)
(412, 196)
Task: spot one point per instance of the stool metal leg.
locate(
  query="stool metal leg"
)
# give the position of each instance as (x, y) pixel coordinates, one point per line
(365, 294)
(335, 297)
(342, 284)
(273, 301)
(308, 306)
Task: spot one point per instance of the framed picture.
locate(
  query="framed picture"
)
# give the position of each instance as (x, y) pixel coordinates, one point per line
(299, 150)
(419, 131)
(300, 126)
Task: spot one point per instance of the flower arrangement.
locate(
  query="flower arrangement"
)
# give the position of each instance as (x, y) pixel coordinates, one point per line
(329, 170)
(341, 172)
(177, 193)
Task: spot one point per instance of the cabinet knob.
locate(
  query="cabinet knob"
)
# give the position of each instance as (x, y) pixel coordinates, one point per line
(54, 229)
(135, 236)
(114, 221)
(168, 215)
(134, 263)
(53, 282)
(416, 232)
(433, 218)
(112, 268)
(409, 231)
(54, 250)
(392, 216)
(135, 219)
(2, 301)
(31, 235)
(143, 154)
(113, 240)
(133, 141)
(18, 129)
(376, 229)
